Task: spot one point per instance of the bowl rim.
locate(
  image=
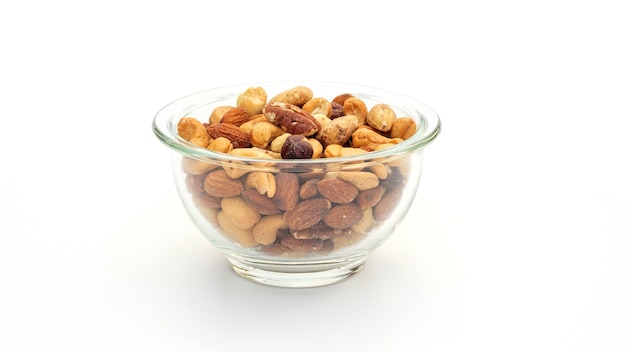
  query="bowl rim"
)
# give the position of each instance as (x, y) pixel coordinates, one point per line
(165, 121)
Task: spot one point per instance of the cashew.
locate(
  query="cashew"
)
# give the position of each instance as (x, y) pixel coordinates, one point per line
(193, 131)
(277, 143)
(366, 222)
(263, 133)
(247, 126)
(318, 106)
(220, 144)
(355, 106)
(263, 182)
(403, 127)
(369, 139)
(196, 167)
(381, 117)
(297, 96)
(244, 237)
(363, 180)
(266, 230)
(239, 212)
(317, 148)
(253, 100)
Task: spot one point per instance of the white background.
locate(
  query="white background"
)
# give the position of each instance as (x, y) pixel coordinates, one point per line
(516, 241)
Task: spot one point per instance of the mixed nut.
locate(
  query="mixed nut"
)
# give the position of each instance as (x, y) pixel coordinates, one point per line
(296, 212)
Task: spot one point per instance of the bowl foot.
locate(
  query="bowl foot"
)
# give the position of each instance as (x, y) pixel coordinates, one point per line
(296, 274)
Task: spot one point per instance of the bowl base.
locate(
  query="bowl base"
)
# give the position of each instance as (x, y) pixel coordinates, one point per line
(297, 274)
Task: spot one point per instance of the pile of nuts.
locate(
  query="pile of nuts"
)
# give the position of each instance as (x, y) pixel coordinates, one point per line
(296, 213)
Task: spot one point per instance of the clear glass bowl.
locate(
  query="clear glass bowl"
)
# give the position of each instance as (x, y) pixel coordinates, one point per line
(318, 257)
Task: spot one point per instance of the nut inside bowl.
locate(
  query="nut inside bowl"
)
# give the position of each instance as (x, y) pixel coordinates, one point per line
(294, 181)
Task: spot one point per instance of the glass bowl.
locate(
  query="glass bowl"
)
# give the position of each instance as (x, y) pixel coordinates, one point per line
(270, 217)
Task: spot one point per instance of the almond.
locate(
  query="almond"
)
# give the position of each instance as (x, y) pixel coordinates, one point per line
(337, 191)
(287, 190)
(369, 198)
(236, 116)
(234, 134)
(309, 189)
(387, 204)
(219, 184)
(343, 216)
(260, 202)
(322, 231)
(307, 213)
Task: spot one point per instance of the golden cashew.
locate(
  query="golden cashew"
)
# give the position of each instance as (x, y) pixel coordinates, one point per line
(322, 119)
(236, 169)
(193, 131)
(196, 167)
(243, 236)
(247, 126)
(369, 139)
(239, 212)
(263, 182)
(317, 148)
(318, 106)
(253, 100)
(220, 144)
(263, 133)
(266, 230)
(381, 117)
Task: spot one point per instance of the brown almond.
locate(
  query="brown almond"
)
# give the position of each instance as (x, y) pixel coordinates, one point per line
(307, 213)
(309, 245)
(234, 134)
(337, 191)
(387, 204)
(309, 189)
(369, 198)
(261, 203)
(236, 116)
(322, 231)
(287, 190)
(218, 184)
(343, 216)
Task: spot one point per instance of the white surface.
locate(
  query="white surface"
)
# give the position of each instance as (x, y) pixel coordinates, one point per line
(515, 243)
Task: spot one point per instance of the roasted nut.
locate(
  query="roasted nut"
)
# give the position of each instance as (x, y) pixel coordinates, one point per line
(220, 144)
(194, 183)
(262, 182)
(381, 117)
(403, 127)
(253, 100)
(291, 119)
(332, 150)
(386, 205)
(309, 245)
(218, 184)
(369, 198)
(243, 236)
(236, 116)
(307, 213)
(309, 189)
(193, 131)
(287, 190)
(266, 230)
(204, 201)
(234, 134)
(277, 143)
(318, 149)
(218, 113)
(247, 126)
(343, 216)
(338, 131)
(337, 110)
(261, 203)
(337, 191)
(321, 231)
(296, 147)
(341, 98)
(263, 133)
(369, 139)
(366, 223)
(196, 167)
(239, 212)
(355, 106)
(363, 180)
(318, 106)
(297, 96)
(236, 169)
